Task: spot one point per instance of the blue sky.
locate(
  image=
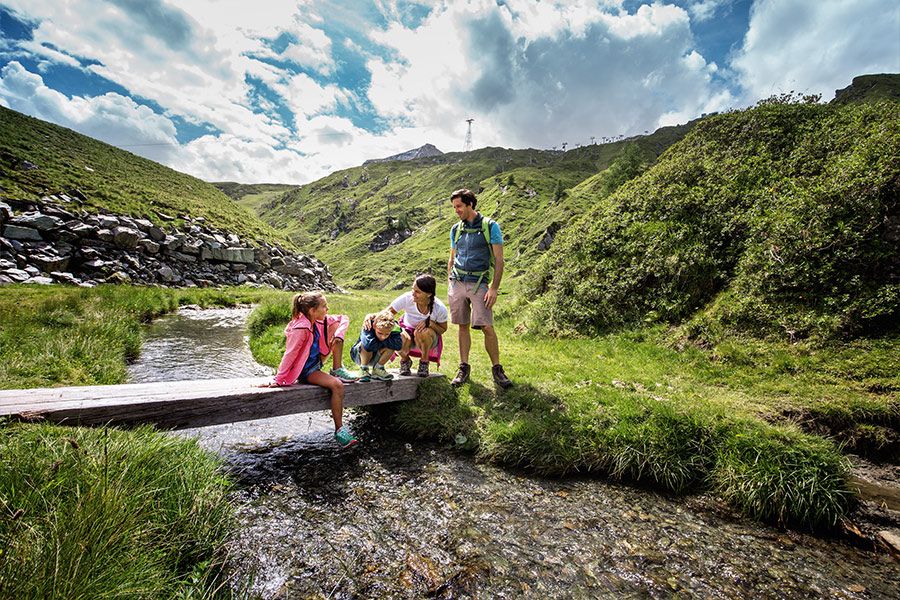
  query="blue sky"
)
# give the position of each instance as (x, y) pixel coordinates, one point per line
(288, 91)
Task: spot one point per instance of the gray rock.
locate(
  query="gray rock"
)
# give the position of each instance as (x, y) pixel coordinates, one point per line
(143, 224)
(14, 232)
(40, 280)
(4, 279)
(5, 212)
(6, 264)
(126, 237)
(166, 274)
(48, 263)
(108, 221)
(191, 246)
(106, 235)
(273, 280)
(63, 277)
(97, 264)
(149, 246)
(156, 234)
(17, 275)
(27, 165)
(183, 257)
(119, 277)
(83, 230)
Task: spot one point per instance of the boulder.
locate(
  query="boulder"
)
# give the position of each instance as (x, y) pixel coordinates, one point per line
(119, 277)
(48, 263)
(63, 277)
(126, 237)
(148, 246)
(108, 221)
(17, 275)
(156, 234)
(14, 232)
(166, 274)
(40, 280)
(5, 212)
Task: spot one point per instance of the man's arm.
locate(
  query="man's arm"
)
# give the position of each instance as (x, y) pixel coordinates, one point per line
(450, 262)
(490, 297)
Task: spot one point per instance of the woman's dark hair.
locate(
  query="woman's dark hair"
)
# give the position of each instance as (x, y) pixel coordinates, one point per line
(466, 195)
(427, 284)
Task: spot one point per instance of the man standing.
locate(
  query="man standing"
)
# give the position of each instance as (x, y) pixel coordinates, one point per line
(474, 270)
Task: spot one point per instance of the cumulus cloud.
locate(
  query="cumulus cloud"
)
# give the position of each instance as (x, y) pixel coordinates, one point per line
(113, 118)
(816, 47)
(588, 71)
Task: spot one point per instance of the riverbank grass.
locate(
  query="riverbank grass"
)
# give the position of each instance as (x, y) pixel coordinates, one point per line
(105, 513)
(641, 406)
(64, 335)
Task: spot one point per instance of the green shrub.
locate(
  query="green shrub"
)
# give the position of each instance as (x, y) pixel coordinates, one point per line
(789, 209)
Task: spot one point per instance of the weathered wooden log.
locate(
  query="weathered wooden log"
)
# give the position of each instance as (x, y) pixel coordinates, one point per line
(182, 404)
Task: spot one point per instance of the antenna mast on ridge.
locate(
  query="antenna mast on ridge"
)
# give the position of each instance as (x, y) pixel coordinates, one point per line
(468, 145)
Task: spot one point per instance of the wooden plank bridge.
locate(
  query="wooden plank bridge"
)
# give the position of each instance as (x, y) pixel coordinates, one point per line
(183, 404)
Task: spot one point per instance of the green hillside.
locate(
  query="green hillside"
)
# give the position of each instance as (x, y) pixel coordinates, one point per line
(253, 195)
(338, 217)
(39, 159)
(780, 219)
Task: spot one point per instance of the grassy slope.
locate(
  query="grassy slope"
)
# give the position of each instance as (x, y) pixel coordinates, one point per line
(416, 193)
(117, 181)
(787, 210)
(253, 196)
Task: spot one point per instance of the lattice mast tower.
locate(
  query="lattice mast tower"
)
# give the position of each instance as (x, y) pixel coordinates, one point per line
(468, 144)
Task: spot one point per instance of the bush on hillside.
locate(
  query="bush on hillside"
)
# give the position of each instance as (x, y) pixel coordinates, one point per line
(790, 209)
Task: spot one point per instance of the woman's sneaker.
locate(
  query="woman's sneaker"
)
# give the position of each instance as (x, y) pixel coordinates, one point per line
(344, 437)
(344, 375)
(380, 374)
(423, 369)
(406, 367)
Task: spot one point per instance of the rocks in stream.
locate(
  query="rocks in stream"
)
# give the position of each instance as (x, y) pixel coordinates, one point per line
(47, 242)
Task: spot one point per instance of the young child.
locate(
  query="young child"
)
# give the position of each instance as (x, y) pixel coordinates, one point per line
(311, 335)
(378, 340)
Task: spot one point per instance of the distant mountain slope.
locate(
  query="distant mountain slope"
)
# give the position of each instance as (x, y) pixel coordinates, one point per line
(379, 223)
(420, 152)
(39, 159)
(253, 195)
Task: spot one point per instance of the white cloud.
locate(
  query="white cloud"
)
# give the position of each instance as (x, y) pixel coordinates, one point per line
(111, 117)
(533, 77)
(704, 10)
(817, 47)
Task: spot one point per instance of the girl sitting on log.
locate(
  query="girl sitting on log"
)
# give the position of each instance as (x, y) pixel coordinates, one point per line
(311, 335)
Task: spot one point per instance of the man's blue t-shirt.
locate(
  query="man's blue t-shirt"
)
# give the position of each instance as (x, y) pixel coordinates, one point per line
(472, 252)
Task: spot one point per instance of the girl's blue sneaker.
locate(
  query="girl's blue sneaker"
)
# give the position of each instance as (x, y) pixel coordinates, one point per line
(344, 437)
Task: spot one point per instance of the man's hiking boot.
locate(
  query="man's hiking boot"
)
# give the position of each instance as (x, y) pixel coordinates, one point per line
(423, 369)
(344, 437)
(344, 375)
(462, 375)
(500, 377)
(406, 367)
(380, 374)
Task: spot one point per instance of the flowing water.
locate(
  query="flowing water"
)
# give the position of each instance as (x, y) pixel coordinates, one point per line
(395, 518)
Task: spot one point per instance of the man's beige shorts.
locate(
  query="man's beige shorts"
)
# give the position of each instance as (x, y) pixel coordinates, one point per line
(466, 304)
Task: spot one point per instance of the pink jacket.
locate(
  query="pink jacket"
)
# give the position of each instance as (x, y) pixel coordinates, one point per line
(299, 342)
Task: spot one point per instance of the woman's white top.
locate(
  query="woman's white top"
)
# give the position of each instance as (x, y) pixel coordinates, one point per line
(412, 316)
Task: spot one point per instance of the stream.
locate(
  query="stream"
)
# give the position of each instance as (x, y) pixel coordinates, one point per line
(397, 518)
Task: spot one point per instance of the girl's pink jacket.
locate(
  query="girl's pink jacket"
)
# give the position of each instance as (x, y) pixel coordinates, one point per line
(299, 342)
